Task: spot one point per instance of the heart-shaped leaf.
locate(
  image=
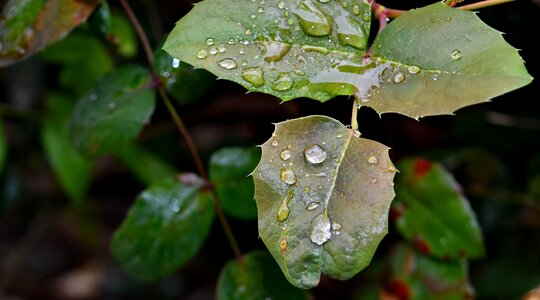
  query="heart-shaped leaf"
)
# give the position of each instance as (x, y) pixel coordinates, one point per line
(29, 26)
(256, 276)
(431, 212)
(164, 228)
(323, 196)
(112, 114)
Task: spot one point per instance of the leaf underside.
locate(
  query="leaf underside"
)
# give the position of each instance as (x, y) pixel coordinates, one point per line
(323, 197)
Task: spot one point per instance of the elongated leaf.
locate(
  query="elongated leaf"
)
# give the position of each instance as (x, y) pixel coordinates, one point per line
(255, 277)
(415, 276)
(122, 35)
(432, 213)
(279, 47)
(164, 228)
(3, 147)
(149, 168)
(100, 20)
(323, 197)
(70, 167)
(229, 170)
(28, 26)
(112, 114)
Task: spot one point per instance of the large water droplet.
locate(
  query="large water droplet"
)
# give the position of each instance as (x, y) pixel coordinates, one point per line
(283, 210)
(273, 51)
(312, 20)
(227, 63)
(285, 154)
(315, 154)
(373, 160)
(253, 75)
(456, 54)
(320, 229)
(324, 1)
(231, 41)
(221, 48)
(283, 244)
(287, 175)
(281, 5)
(175, 63)
(356, 9)
(283, 82)
(202, 54)
(309, 48)
(275, 142)
(413, 69)
(350, 32)
(260, 10)
(312, 205)
(209, 41)
(336, 226)
(399, 77)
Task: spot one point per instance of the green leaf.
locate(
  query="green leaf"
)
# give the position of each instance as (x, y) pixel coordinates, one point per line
(255, 277)
(229, 170)
(72, 170)
(122, 35)
(28, 26)
(323, 196)
(164, 229)
(457, 60)
(184, 83)
(415, 276)
(279, 47)
(432, 213)
(112, 114)
(100, 20)
(149, 168)
(3, 147)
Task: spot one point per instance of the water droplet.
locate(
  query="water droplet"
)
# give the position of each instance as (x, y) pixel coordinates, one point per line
(413, 69)
(312, 20)
(309, 48)
(312, 205)
(252, 16)
(320, 229)
(202, 54)
(356, 9)
(227, 63)
(373, 160)
(342, 194)
(281, 5)
(287, 175)
(320, 187)
(209, 41)
(456, 54)
(339, 134)
(247, 32)
(283, 82)
(213, 51)
(245, 42)
(175, 63)
(307, 189)
(231, 41)
(324, 1)
(283, 210)
(374, 180)
(253, 75)
(315, 154)
(275, 142)
(448, 19)
(242, 51)
(285, 154)
(336, 226)
(92, 97)
(244, 63)
(273, 51)
(283, 244)
(366, 16)
(221, 48)
(399, 77)
(260, 10)
(111, 105)
(175, 204)
(290, 21)
(345, 4)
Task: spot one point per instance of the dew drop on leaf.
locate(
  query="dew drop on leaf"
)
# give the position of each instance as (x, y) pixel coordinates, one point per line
(374, 180)
(283, 244)
(281, 5)
(287, 175)
(356, 9)
(315, 154)
(275, 142)
(312, 20)
(231, 41)
(253, 75)
(227, 63)
(336, 226)
(260, 10)
(373, 160)
(456, 54)
(285, 154)
(284, 82)
(202, 54)
(413, 69)
(175, 63)
(221, 48)
(284, 210)
(213, 51)
(399, 77)
(209, 41)
(320, 229)
(312, 205)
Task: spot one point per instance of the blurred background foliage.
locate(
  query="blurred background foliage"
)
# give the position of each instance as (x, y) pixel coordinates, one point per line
(59, 209)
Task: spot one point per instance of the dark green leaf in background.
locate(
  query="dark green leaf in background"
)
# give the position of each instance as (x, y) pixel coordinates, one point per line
(100, 20)
(3, 147)
(27, 27)
(70, 167)
(431, 212)
(229, 170)
(111, 115)
(164, 229)
(122, 35)
(256, 276)
(323, 196)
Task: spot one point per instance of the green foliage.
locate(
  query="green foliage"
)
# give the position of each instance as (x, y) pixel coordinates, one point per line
(3, 147)
(146, 166)
(164, 228)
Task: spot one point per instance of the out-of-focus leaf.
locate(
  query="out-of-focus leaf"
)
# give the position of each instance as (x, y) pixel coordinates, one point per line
(84, 60)
(70, 167)
(10, 190)
(323, 196)
(182, 81)
(229, 170)
(28, 26)
(418, 277)
(111, 115)
(3, 147)
(149, 168)
(100, 19)
(122, 35)
(256, 276)
(164, 228)
(431, 212)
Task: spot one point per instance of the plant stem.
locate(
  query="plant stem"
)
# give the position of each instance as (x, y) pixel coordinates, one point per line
(354, 115)
(482, 4)
(182, 129)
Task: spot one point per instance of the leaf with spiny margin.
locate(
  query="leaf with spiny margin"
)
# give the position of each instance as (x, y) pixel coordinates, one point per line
(279, 47)
(256, 276)
(229, 170)
(431, 212)
(458, 61)
(112, 114)
(27, 27)
(145, 165)
(416, 276)
(323, 197)
(164, 229)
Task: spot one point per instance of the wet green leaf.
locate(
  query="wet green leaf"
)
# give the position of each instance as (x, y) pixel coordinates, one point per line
(72, 170)
(229, 170)
(149, 168)
(255, 277)
(164, 228)
(456, 59)
(323, 197)
(416, 276)
(112, 114)
(28, 26)
(122, 35)
(3, 147)
(432, 213)
(279, 47)
(100, 20)
(184, 83)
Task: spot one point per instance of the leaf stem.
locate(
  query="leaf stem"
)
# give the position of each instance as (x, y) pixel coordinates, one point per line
(182, 129)
(354, 115)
